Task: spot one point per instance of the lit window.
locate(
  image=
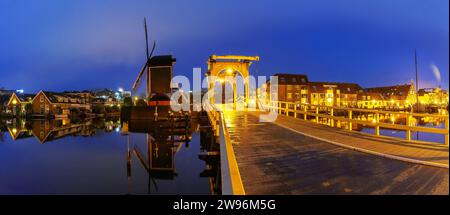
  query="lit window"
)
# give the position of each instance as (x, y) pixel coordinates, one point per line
(289, 95)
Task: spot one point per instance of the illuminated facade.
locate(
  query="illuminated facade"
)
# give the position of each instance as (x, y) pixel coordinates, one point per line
(393, 97)
(298, 89)
(292, 88)
(371, 100)
(17, 104)
(433, 97)
(50, 103)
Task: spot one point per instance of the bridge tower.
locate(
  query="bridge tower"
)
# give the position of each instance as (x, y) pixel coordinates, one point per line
(222, 67)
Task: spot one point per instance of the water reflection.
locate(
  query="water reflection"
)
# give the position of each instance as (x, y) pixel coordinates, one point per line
(49, 130)
(398, 119)
(163, 141)
(168, 157)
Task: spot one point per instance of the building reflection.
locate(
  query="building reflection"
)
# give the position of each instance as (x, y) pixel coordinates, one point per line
(156, 154)
(17, 130)
(49, 130)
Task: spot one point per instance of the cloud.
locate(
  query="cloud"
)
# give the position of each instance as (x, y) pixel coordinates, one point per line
(436, 72)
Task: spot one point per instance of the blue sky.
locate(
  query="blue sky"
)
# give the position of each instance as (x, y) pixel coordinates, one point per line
(76, 45)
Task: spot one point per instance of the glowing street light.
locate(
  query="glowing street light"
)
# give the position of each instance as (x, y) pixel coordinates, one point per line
(393, 119)
(120, 89)
(229, 71)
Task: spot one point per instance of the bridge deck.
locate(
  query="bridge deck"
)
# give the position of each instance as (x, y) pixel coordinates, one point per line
(275, 160)
(434, 154)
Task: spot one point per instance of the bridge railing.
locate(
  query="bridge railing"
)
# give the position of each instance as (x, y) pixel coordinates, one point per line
(230, 176)
(331, 115)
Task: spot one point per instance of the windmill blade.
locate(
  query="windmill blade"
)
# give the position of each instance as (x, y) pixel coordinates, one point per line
(146, 40)
(138, 79)
(148, 55)
(146, 37)
(153, 49)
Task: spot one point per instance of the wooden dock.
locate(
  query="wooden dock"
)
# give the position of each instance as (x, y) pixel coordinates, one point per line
(291, 156)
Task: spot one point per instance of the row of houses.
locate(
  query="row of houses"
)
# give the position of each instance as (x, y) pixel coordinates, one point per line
(46, 103)
(297, 88)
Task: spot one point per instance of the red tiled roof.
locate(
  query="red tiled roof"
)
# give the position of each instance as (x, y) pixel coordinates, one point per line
(399, 92)
(345, 88)
(376, 96)
(293, 79)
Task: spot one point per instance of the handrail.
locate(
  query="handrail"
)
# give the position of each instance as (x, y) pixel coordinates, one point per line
(364, 110)
(230, 175)
(302, 108)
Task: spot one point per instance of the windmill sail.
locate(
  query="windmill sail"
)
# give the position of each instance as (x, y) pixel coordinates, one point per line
(148, 56)
(138, 79)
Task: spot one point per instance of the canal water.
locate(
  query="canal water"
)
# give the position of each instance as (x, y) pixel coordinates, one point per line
(422, 136)
(428, 122)
(99, 157)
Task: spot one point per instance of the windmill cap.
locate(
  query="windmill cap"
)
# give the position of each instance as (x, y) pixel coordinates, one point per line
(162, 60)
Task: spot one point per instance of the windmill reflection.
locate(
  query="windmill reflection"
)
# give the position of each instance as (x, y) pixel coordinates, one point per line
(163, 141)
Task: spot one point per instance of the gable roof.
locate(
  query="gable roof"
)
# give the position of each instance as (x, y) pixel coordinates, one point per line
(373, 96)
(344, 88)
(316, 87)
(399, 92)
(21, 98)
(53, 97)
(294, 79)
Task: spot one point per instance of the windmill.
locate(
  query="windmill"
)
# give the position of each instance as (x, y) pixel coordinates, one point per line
(146, 65)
